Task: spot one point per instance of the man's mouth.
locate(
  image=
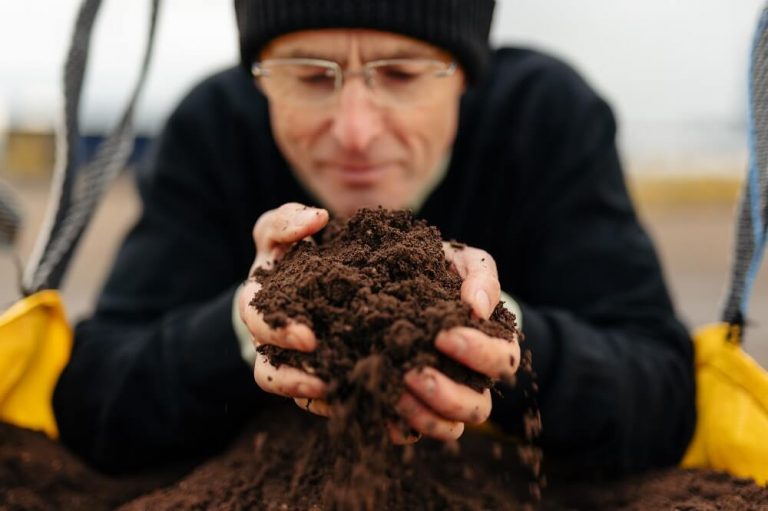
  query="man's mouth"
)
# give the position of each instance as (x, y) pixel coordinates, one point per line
(358, 174)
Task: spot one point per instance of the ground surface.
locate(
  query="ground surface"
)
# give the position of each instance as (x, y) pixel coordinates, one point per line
(265, 469)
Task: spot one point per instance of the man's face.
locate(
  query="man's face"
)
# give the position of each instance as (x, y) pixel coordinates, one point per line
(355, 150)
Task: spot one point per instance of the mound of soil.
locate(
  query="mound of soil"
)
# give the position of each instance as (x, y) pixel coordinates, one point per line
(258, 471)
(287, 462)
(267, 468)
(38, 474)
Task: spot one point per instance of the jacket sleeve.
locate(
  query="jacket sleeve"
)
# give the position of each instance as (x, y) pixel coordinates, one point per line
(156, 372)
(613, 363)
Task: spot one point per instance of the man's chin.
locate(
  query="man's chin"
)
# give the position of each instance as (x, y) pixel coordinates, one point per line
(350, 206)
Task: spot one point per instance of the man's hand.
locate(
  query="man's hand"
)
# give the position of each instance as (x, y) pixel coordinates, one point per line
(274, 233)
(435, 405)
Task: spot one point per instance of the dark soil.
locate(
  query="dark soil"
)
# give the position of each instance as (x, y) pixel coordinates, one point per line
(376, 293)
(258, 471)
(376, 290)
(288, 463)
(267, 469)
(37, 474)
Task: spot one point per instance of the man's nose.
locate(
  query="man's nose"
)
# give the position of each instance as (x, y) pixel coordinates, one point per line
(357, 120)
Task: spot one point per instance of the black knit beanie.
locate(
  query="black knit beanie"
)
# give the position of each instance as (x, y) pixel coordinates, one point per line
(459, 26)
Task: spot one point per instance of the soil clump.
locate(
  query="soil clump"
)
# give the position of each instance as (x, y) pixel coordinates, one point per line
(376, 290)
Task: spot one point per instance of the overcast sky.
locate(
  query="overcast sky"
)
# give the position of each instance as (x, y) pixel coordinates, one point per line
(674, 70)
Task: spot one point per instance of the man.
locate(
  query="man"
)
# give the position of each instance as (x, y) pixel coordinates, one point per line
(342, 104)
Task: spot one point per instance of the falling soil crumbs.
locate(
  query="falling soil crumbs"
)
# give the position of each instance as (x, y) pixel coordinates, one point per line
(259, 471)
(376, 290)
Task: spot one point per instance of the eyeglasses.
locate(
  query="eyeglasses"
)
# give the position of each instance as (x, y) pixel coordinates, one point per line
(316, 82)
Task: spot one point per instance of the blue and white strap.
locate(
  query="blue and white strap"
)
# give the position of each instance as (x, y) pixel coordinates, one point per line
(752, 223)
(77, 189)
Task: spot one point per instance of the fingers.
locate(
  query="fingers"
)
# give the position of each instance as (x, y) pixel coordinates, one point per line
(494, 357)
(287, 381)
(277, 229)
(481, 288)
(245, 295)
(273, 233)
(316, 406)
(399, 436)
(448, 399)
(425, 421)
(294, 336)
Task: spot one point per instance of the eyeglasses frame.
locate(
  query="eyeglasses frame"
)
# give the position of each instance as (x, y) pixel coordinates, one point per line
(258, 70)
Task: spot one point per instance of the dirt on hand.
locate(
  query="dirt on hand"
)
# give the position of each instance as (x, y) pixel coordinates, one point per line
(376, 290)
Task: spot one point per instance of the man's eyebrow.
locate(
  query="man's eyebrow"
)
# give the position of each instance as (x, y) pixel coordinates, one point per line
(299, 53)
(403, 52)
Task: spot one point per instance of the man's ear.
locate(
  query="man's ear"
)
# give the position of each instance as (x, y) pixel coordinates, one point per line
(463, 77)
(464, 83)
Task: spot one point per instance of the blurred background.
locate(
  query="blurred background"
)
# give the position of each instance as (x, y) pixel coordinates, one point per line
(673, 70)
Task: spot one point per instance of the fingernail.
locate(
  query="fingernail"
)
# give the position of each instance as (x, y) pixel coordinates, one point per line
(412, 434)
(451, 342)
(305, 216)
(483, 303)
(425, 381)
(429, 384)
(421, 379)
(298, 342)
(293, 340)
(306, 390)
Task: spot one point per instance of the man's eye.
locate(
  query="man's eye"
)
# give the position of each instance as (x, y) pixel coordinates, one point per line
(318, 79)
(398, 74)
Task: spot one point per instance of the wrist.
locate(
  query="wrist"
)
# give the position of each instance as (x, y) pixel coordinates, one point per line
(244, 338)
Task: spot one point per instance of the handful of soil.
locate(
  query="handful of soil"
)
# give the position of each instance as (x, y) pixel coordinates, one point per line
(376, 291)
